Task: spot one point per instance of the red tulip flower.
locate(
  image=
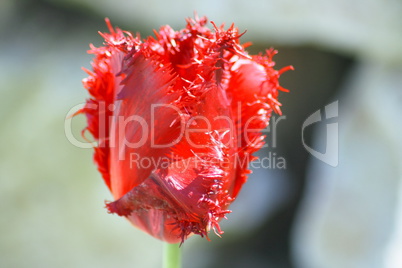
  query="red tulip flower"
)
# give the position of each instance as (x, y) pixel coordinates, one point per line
(176, 118)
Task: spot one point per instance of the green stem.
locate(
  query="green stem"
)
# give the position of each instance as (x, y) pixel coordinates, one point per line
(171, 256)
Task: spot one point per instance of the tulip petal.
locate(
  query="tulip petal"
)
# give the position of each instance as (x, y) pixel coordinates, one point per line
(145, 122)
(253, 87)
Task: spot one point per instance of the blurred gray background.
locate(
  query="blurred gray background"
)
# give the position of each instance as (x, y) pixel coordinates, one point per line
(308, 215)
